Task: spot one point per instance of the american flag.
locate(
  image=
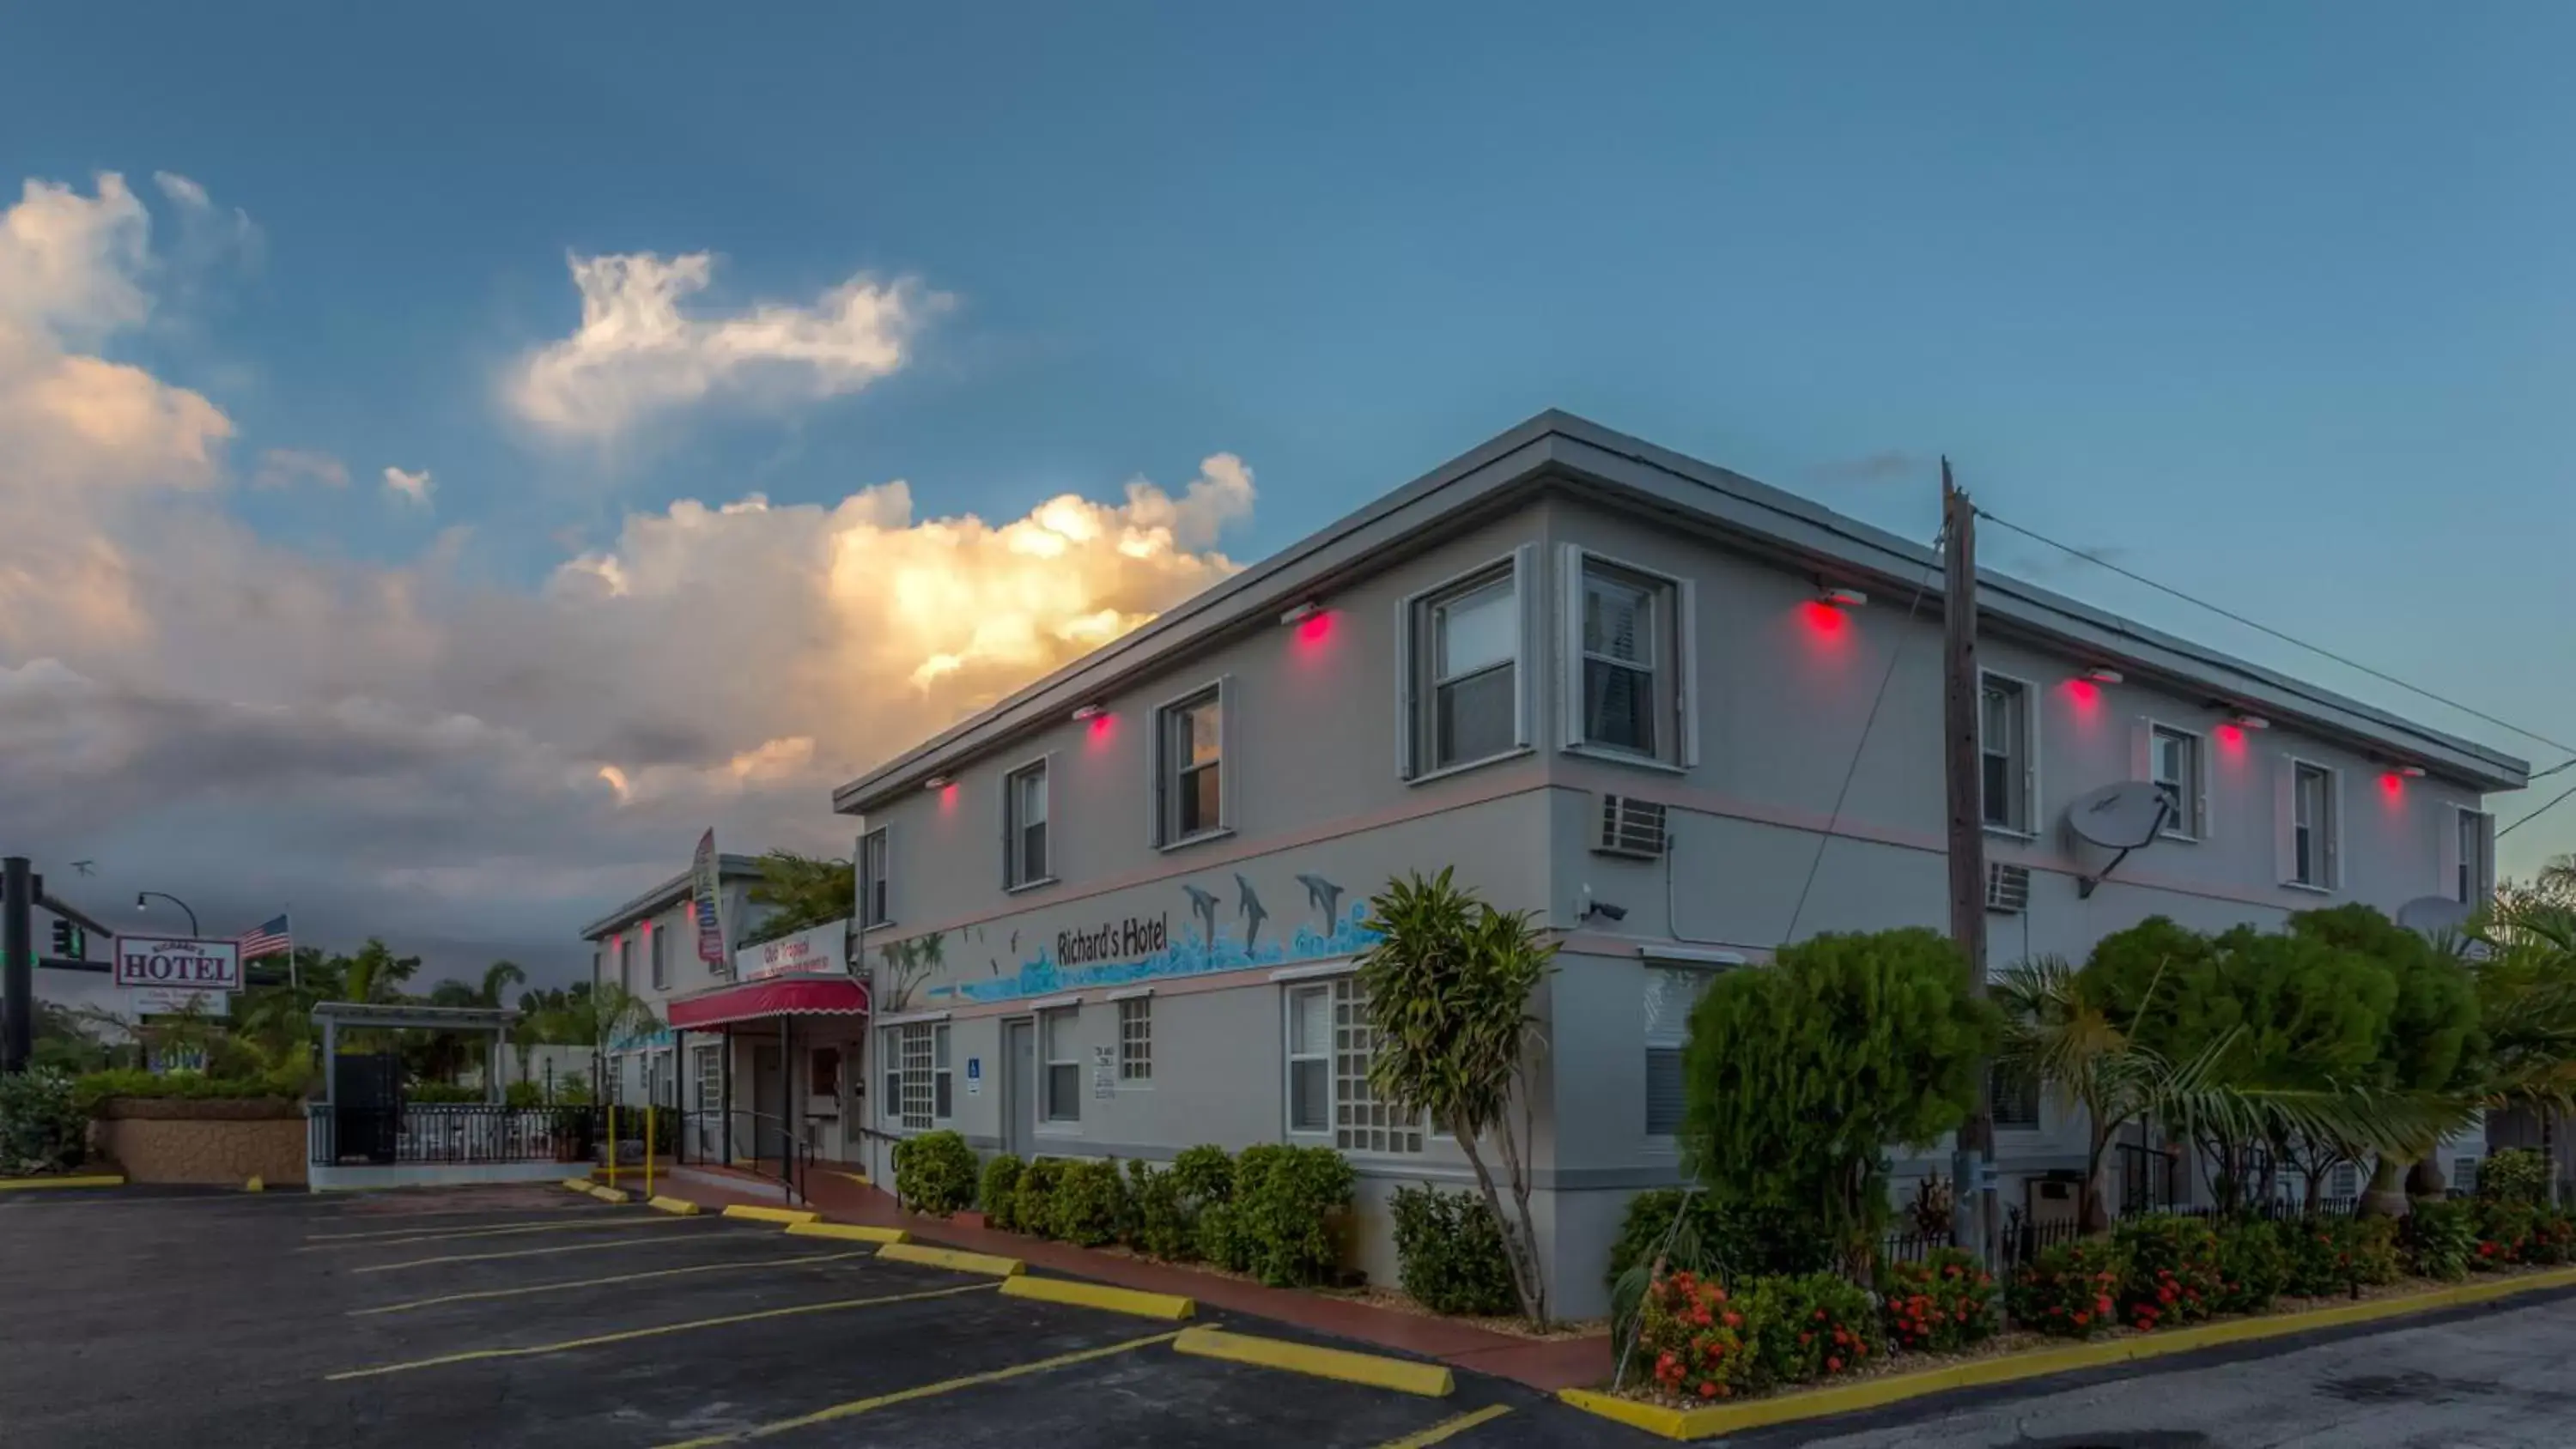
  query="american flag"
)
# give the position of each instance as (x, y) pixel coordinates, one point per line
(266, 940)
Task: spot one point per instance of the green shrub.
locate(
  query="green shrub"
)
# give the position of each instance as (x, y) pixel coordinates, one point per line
(2070, 1290)
(1284, 1200)
(1089, 1207)
(1158, 1220)
(2438, 1240)
(2169, 1270)
(1033, 1202)
(1449, 1252)
(2553, 1237)
(95, 1087)
(2328, 1256)
(934, 1173)
(1203, 1175)
(1220, 1238)
(1943, 1303)
(42, 1125)
(1814, 1326)
(1731, 1243)
(998, 1192)
(2503, 1229)
(2252, 1266)
(1691, 1339)
(523, 1095)
(435, 1093)
(2513, 1174)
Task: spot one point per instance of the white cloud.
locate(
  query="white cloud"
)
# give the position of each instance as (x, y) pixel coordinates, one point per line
(286, 467)
(401, 749)
(636, 354)
(410, 487)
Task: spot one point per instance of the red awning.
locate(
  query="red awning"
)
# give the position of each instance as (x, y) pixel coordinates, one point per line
(778, 996)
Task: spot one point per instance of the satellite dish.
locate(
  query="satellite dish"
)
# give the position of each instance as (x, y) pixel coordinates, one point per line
(2118, 817)
(2433, 915)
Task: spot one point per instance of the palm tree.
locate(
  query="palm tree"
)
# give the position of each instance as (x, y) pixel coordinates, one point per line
(2526, 985)
(2059, 1030)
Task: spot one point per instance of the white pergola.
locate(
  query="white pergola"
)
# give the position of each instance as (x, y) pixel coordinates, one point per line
(334, 1015)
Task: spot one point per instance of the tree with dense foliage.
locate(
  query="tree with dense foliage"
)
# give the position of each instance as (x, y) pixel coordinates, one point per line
(2526, 987)
(2429, 1040)
(1800, 1076)
(1449, 984)
(802, 891)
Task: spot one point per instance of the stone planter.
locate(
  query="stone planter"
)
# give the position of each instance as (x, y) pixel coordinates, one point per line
(211, 1141)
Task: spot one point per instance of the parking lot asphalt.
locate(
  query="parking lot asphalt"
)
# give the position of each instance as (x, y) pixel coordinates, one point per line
(529, 1316)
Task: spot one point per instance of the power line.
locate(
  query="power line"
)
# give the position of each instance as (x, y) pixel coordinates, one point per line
(2536, 814)
(2345, 660)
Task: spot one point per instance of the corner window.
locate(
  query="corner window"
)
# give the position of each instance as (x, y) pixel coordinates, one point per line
(1671, 992)
(1310, 1059)
(2003, 751)
(2474, 878)
(1136, 1039)
(661, 951)
(1465, 648)
(1189, 767)
(1622, 618)
(626, 964)
(2312, 825)
(1024, 827)
(1063, 1065)
(873, 865)
(2174, 759)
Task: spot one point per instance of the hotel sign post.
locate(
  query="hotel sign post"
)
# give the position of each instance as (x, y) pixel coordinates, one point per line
(170, 973)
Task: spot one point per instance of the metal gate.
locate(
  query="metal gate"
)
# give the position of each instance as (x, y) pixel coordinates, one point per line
(367, 1107)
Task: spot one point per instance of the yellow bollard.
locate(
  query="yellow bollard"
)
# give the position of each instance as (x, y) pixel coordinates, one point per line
(648, 1149)
(612, 1144)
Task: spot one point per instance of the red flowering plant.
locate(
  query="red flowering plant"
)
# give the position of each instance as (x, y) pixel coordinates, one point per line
(2071, 1290)
(2170, 1271)
(1943, 1303)
(1690, 1339)
(2505, 1232)
(1815, 1326)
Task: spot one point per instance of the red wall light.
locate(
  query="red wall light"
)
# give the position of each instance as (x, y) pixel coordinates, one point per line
(2392, 784)
(1315, 628)
(1823, 619)
(2084, 692)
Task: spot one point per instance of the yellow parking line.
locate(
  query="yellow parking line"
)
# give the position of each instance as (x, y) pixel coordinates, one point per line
(857, 1407)
(389, 1236)
(541, 1252)
(475, 1355)
(1449, 1428)
(601, 1282)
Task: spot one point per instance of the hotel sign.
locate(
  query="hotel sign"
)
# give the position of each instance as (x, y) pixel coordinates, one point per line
(814, 950)
(1114, 941)
(170, 974)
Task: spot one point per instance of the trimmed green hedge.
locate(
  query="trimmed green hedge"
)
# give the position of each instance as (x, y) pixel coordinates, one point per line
(96, 1087)
(1450, 1252)
(934, 1173)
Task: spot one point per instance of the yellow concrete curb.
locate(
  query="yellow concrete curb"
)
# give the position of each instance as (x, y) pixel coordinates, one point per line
(1167, 1306)
(33, 1184)
(679, 1205)
(849, 1232)
(1878, 1393)
(611, 1194)
(577, 1184)
(951, 1258)
(769, 1214)
(1430, 1380)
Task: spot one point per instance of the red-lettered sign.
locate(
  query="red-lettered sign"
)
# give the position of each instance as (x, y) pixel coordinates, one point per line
(180, 963)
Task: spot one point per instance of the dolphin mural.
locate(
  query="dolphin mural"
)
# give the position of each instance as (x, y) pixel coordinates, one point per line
(1203, 906)
(1325, 897)
(1253, 914)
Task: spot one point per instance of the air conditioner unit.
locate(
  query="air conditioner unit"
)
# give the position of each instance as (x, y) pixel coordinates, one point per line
(1630, 827)
(2007, 888)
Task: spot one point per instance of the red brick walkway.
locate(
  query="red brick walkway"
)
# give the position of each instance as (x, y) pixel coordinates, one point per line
(1548, 1366)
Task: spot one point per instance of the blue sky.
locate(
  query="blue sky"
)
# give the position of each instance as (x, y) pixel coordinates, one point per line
(2274, 301)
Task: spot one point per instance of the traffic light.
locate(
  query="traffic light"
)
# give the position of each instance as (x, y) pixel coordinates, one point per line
(69, 941)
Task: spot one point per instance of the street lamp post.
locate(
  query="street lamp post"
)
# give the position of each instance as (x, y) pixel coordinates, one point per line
(174, 900)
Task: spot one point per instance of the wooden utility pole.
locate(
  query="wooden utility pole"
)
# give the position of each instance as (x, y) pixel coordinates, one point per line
(1972, 1194)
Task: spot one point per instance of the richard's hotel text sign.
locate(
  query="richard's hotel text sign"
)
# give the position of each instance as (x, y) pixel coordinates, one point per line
(1114, 941)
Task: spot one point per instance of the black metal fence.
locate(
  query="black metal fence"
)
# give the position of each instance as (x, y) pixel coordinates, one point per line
(2024, 1240)
(450, 1132)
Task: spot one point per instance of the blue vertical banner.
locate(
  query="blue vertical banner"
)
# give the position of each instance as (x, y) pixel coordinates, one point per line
(706, 892)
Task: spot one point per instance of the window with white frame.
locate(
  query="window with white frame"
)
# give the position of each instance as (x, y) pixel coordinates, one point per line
(1671, 992)
(1466, 648)
(1189, 769)
(916, 1078)
(1136, 1039)
(2003, 751)
(1330, 1046)
(1024, 826)
(660, 949)
(2474, 879)
(943, 1089)
(626, 964)
(2174, 757)
(1063, 1065)
(2014, 1098)
(1627, 686)
(2312, 825)
(874, 863)
(706, 1066)
(1310, 1059)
